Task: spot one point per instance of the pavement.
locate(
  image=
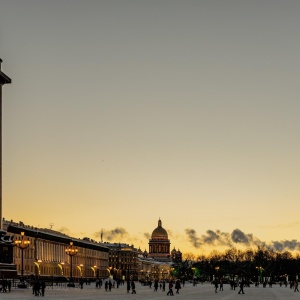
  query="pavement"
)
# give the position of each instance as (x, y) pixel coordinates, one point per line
(188, 292)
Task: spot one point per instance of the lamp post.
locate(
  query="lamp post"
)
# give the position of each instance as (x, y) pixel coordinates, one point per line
(81, 270)
(22, 244)
(95, 270)
(38, 268)
(259, 275)
(217, 270)
(71, 250)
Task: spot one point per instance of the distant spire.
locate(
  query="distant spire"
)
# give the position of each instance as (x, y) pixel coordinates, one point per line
(159, 223)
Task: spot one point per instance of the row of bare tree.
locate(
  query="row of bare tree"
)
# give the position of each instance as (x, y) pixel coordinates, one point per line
(253, 264)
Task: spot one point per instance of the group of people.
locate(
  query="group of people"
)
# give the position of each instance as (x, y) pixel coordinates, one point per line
(5, 285)
(38, 288)
(218, 283)
(177, 287)
(131, 285)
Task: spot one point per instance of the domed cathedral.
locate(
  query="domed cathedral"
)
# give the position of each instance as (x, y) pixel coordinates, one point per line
(159, 244)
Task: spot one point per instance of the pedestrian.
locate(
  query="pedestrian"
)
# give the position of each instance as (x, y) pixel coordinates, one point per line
(37, 287)
(106, 285)
(164, 286)
(216, 285)
(241, 287)
(43, 287)
(9, 285)
(81, 283)
(133, 287)
(221, 285)
(155, 285)
(4, 285)
(109, 286)
(296, 286)
(170, 292)
(128, 286)
(177, 286)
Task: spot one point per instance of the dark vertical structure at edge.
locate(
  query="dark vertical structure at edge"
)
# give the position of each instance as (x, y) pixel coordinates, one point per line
(3, 80)
(7, 268)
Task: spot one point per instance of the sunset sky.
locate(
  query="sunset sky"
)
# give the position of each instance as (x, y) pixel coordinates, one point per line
(121, 112)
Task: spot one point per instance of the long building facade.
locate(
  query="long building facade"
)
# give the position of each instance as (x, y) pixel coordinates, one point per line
(46, 255)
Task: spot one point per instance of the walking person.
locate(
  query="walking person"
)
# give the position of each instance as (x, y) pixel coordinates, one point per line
(242, 287)
(170, 292)
(133, 287)
(296, 286)
(43, 287)
(163, 286)
(4, 285)
(81, 283)
(37, 288)
(216, 285)
(9, 285)
(128, 286)
(177, 286)
(155, 285)
(221, 285)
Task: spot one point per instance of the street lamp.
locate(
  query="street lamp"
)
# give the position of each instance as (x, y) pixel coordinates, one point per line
(37, 263)
(71, 250)
(22, 244)
(259, 276)
(217, 270)
(80, 267)
(94, 268)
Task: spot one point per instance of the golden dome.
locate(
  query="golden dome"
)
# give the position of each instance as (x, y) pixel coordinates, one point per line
(159, 233)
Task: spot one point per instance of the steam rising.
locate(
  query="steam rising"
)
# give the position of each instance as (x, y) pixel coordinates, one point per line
(219, 238)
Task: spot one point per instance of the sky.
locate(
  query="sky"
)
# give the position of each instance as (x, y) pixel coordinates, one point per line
(121, 112)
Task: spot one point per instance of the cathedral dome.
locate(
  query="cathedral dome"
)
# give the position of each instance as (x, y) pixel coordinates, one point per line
(159, 233)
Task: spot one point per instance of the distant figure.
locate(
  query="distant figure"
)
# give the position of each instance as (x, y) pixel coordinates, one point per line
(109, 286)
(177, 286)
(164, 286)
(81, 283)
(221, 285)
(4, 285)
(155, 285)
(43, 287)
(170, 292)
(296, 286)
(37, 287)
(128, 286)
(242, 287)
(216, 285)
(133, 287)
(106, 286)
(9, 285)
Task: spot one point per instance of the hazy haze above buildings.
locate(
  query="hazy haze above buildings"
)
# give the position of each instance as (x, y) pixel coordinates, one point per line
(121, 112)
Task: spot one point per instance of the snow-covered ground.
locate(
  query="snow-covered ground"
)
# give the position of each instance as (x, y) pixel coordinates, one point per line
(189, 292)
